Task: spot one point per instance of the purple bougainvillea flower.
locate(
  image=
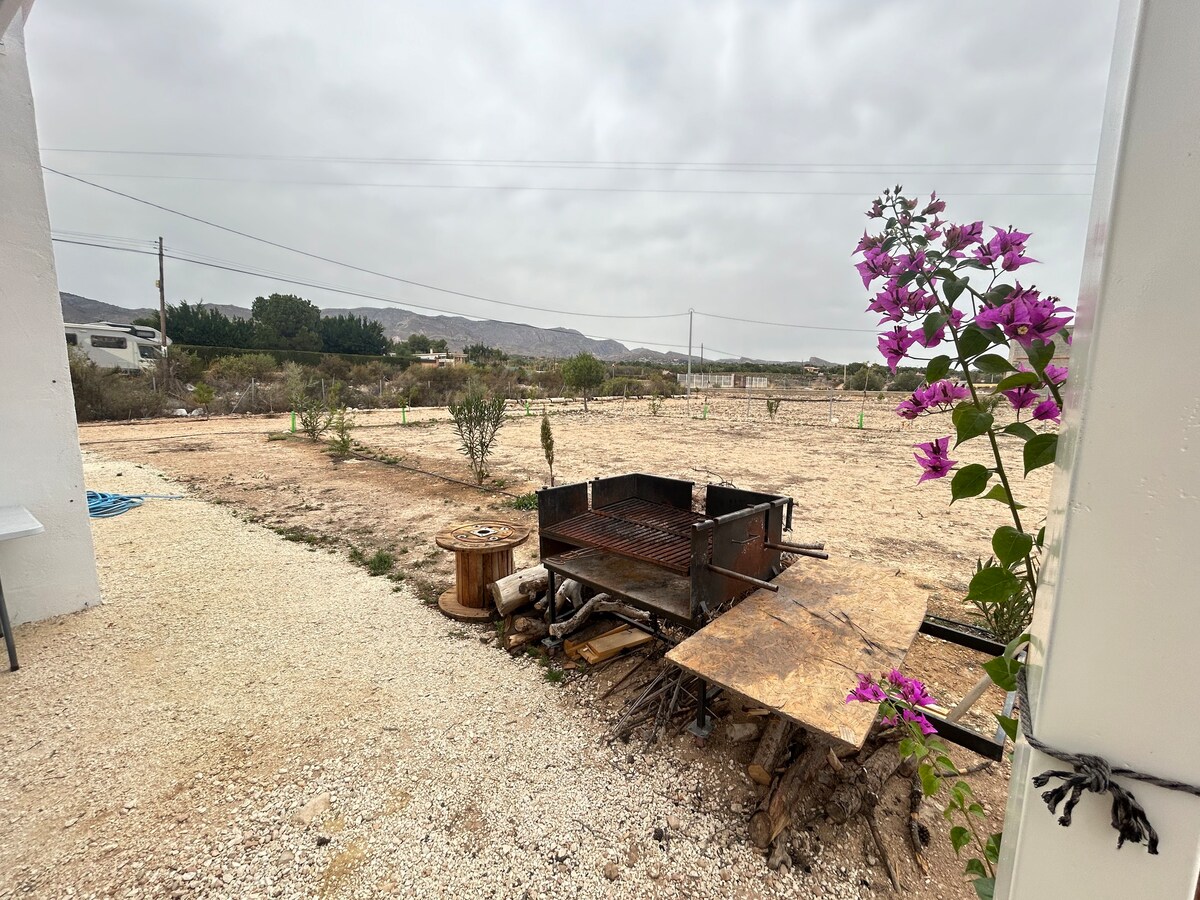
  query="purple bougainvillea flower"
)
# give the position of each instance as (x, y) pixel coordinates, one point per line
(1014, 259)
(937, 396)
(1056, 374)
(935, 462)
(919, 720)
(1026, 317)
(876, 210)
(1047, 411)
(894, 344)
(1022, 397)
(932, 229)
(868, 242)
(911, 262)
(867, 691)
(897, 300)
(875, 264)
(912, 690)
(934, 206)
(959, 237)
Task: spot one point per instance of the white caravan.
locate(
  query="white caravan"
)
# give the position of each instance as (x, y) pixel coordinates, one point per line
(112, 345)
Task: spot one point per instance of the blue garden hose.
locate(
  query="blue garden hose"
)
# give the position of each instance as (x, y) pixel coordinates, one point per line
(103, 505)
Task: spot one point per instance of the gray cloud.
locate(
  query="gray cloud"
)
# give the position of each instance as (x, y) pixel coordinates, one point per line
(851, 82)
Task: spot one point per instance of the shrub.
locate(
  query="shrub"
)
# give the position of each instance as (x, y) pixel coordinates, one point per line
(242, 367)
(203, 395)
(772, 407)
(313, 415)
(477, 419)
(342, 423)
(110, 394)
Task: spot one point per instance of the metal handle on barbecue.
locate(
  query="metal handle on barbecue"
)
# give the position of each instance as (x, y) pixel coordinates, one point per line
(738, 576)
(816, 551)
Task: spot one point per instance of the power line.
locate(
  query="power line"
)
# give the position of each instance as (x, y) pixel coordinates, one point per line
(347, 265)
(645, 165)
(345, 291)
(784, 324)
(536, 187)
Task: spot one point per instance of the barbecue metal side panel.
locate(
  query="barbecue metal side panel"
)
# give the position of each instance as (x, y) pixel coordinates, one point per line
(557, 504)
(720, 500)
(607, 491)
(668, 491)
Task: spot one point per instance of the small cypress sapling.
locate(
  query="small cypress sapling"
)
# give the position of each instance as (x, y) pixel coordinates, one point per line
(548, 445)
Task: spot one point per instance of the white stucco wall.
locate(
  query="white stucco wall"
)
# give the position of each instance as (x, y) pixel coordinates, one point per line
(1117, 628)
(40, 465)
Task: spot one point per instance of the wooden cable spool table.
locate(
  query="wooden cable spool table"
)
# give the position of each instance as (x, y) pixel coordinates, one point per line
(483, 553)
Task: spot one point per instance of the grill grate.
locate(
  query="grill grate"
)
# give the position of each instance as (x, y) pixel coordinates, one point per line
(651, 532)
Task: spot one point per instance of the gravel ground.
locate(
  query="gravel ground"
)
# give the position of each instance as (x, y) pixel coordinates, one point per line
(170, 742)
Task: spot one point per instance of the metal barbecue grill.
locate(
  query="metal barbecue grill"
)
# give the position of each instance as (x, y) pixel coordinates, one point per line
(639, 539)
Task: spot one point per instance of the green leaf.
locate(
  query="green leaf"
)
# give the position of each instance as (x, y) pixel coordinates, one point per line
(1041, 537)
(1010, 545)
(930, 783)
(932, 323)
(906, 277)
(975, 867)
(1003, 672)
(969, 481)
(959, 837)
(994, 363)
(1009, 725)
(908, 747)
(985, 887)
(1021, 430)
(972, 341)
(952, 287)
(998, 493)
(991, 849)
(970, 421)
(937, 368)
(1017, 380)
(1040, 451)
(998, 294)
(993, 584)
(976, 810)
(1040, 354)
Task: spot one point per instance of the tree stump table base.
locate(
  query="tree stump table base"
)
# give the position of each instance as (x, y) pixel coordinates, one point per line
(483, 553)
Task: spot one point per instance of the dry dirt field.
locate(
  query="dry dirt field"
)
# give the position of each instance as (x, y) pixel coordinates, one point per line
(161, 744)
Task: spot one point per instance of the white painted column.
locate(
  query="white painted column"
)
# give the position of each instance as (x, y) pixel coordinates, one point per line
(40, 465)
(1117, 630)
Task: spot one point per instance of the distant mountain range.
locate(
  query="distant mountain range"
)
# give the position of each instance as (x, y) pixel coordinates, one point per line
(521, 340)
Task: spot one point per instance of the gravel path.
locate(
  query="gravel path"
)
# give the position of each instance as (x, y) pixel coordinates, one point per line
(163, 744)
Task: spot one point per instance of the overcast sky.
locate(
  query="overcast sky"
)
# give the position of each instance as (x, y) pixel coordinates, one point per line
(997, 107)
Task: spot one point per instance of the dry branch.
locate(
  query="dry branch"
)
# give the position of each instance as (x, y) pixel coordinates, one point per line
(601, 603)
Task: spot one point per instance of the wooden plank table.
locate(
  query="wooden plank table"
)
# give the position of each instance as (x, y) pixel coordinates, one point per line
(797, 651)
(15, 522)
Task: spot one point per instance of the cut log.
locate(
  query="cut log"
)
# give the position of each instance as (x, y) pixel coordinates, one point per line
(770, 748)
(601, 603)
(775, 812)
(853, 796)
(523, 631)
(513, 591)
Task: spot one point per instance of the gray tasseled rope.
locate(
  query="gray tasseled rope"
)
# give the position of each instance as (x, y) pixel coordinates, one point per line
(1093, 773)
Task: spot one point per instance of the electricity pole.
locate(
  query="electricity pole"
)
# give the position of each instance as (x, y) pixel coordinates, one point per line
(162, 302)
(691, 313)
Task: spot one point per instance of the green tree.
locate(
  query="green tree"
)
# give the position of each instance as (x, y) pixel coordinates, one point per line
(286, 322)
(202, 325)
(583, 373)
(352, 334)
(418, 343)
(867, 377)
(481, 354)
(906, 380)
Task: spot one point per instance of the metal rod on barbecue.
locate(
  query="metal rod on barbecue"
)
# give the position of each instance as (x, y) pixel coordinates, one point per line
(738, 576)
(797, 549)
(792, 545)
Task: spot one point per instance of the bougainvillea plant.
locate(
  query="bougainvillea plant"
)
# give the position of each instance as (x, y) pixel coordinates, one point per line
(948, 293)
